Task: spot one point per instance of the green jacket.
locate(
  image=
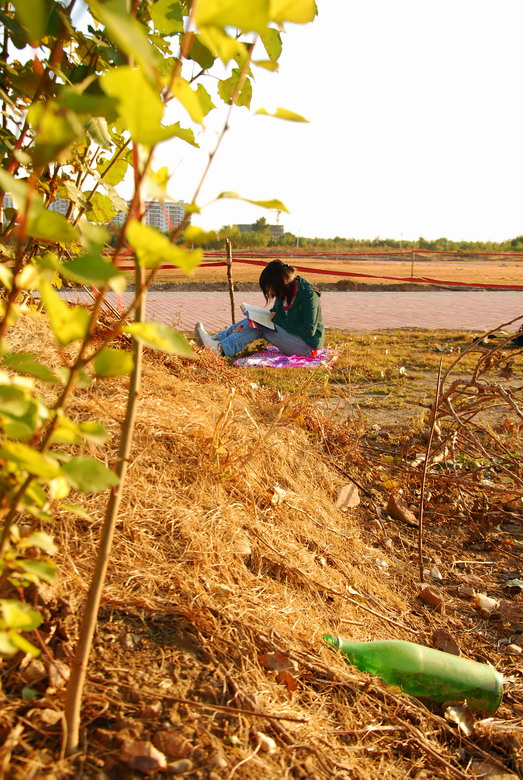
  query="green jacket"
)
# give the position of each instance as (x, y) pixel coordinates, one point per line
(304, 318)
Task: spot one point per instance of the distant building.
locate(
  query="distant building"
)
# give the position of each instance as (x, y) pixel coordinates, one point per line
(60, 204)
(277, 231)
(163, 216)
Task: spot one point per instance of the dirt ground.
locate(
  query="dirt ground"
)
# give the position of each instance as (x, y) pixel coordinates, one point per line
(493, 271)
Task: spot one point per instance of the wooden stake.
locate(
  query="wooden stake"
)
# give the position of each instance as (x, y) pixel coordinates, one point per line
(228, 247)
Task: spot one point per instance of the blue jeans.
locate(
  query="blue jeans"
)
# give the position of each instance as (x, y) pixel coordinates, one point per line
(232, 343)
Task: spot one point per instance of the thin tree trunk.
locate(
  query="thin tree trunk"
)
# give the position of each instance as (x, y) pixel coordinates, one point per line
(76, 682)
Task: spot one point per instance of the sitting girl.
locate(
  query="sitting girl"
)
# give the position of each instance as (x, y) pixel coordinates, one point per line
(296, 315)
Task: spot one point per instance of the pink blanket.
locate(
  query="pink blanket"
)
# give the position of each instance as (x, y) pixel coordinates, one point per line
(273, 358)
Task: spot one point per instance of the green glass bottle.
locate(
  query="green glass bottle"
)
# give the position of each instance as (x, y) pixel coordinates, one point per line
(424, 672)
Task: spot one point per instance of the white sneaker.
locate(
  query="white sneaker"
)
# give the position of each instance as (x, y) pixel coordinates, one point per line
(204, 340)
(198, 330)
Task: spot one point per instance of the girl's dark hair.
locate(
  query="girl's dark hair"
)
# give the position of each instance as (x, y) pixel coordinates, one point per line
(275, 278)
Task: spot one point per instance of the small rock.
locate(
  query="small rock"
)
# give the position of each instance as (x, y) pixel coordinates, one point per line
(519, 641)
(514, 650)
(466, 592)
(143, 757)
(348, 497)
(58, 674)
(485, 605)
(179, 767)
(218, 761)
(431, 598)
(267, 744)
(33, 671)
(444, 641)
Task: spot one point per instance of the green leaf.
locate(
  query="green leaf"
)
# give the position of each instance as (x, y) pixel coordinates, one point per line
(19, 616)
(29, 459)
(14, 401)
(266, 65)
(200, 53)
(86, 103)
(187, 135)
(204, 99)
(222, 45)
(94, 432)
(138, 104)
(297, 11)
(271, 39)
(6, 276)
(42, 541)
(100, 209)
(69, 323)
(38, 570)
(6, 645)
(283, 113)
(228, 90)
(55, 129)
(28, 363)
(32, 15)
(272, 205)
(113, 362)
(190, 99)
(167, 17)
(195, 235)
(160, 337)
(153, 248)
(28, 693)
(89, 475)
(246, 16)
(97, 130)
(93, 269)
(77, 510)
(50, 226)
(127, 33)
(115, 174)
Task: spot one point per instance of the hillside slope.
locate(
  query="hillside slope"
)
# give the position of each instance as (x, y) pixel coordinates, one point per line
(231, 560)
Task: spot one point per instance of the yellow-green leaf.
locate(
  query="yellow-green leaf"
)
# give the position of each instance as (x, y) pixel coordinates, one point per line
(113, 362)
(153, 249)
(160, 337)
(167, 16)
(32, 16)
(273, 205)
(246, 15)
(29, 459)
(189, 99)
(69, 323)
(138, 104)
(297, 11)
(222, 45)
(283, 113)
(89, 475)
(127, 33)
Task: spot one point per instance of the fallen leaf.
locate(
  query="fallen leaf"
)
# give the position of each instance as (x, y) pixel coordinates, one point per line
(285, 668)
(398, 509)
(485, 770)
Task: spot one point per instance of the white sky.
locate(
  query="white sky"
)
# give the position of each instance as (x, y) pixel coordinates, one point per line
(415, 110)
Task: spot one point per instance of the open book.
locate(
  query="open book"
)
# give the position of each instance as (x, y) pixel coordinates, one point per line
(258, 314)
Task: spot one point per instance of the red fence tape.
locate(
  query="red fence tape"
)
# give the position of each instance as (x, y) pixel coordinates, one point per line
(408, 279)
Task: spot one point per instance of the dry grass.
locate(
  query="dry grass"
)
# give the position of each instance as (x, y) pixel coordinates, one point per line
(230, 545)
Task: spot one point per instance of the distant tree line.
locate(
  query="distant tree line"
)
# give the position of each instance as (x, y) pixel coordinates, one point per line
(260, 237)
